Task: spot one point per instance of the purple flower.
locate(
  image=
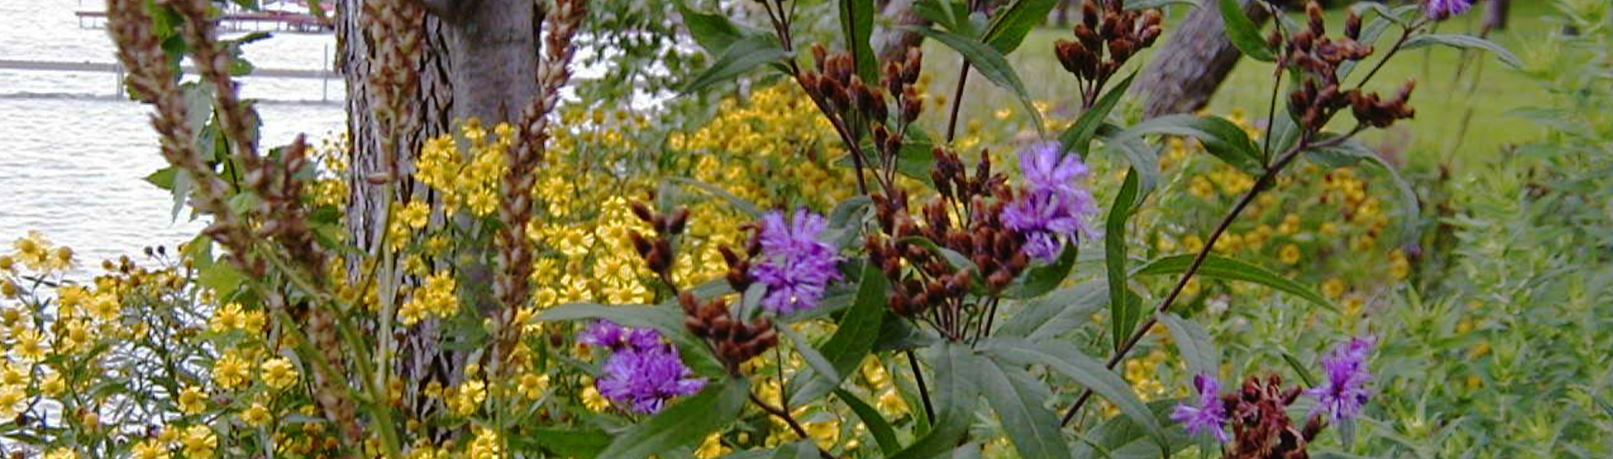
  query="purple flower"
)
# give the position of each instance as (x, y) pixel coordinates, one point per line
(1051, 208)
(796, 266)
(607, 334)
(642, 380)
(1345, 392)
(1206, 415)
(1438, 10)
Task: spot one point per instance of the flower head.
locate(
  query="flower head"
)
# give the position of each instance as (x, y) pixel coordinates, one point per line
(1208, 414)
(643, 380)
(1051, 208)
(1345, 392)
(796, 266)
(609, 335)
(1438, 10)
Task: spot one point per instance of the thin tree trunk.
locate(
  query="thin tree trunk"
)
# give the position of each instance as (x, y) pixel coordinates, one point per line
(478, 60)
(1186, 71)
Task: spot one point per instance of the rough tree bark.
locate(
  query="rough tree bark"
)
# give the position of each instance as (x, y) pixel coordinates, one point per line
(1185, 72)
(479, 60)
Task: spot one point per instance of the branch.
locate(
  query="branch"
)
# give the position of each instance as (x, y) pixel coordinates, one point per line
(1260, 185)
(785, 415)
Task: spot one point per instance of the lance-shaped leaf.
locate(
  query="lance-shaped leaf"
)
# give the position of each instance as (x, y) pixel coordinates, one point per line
(1121, 316)
(1078, 138)
(856, 25)
(1222, 138)
(683, 423)
(1011, 26)
(1465, 42)
(1219, 267)
(877, 425)
(858, 330)
(1243, 32)
(1194, 342)
(1066, 359)
(1017, 398)
(739, 57)
(989, 63)
(956, 370)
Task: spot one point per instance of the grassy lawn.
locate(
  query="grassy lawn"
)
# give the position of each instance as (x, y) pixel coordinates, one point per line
(1442, 103)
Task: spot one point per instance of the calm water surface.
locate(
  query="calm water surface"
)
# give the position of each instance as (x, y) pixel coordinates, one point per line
(72, 155)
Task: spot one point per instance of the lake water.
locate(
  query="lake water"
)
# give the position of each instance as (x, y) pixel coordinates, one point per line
(73, 155)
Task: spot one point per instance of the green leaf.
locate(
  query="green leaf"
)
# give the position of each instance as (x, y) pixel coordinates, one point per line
(810, 355)
(564, 442)
(180, 192)
(1465, 42)
(956, 367)
(713, 32)
(1043, 278)
(896, 334)
(989, 63)
(858, 329)
(1142, 156)
(1078, 137)
(1114, 259)
(1243, 32)
(1017, 398)
(1220, 137)
(740, 57)
(953, 258)
(1194, 342)
(857, 25)
(739, 203)
(881, 429)
(1351, 151)
(1017, 21)
(1299, 369)
(951, 15)
(682, 424)
(1051, 315)
(666, 318)
(1065, 358)
(1219, 267)
(1120, 438)
(221, 278)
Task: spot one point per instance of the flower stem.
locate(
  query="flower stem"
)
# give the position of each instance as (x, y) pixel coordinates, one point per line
(924, 392)
(1264, 182)
(788, 419)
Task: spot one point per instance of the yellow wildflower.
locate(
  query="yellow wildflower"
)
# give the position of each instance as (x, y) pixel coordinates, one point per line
(230, 371)
(192, 400)
(279, 373)
(199, 442)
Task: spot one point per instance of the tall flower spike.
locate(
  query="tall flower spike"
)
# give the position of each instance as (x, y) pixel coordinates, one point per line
(1207, 414)
(1345, 392)
(795, 265)
(1052, 208)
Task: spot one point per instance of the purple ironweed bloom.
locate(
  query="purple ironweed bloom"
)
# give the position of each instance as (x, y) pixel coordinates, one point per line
(1345, 392)
(1438, 10)
(607, 334)
(795, 265)
(1206, 415)
(642, 380)
(1052, 208)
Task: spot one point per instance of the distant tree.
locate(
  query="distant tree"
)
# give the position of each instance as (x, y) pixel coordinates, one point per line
(1193, 63)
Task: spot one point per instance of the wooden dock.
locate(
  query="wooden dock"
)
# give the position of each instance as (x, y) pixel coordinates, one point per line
(324, 75)
(242, 21)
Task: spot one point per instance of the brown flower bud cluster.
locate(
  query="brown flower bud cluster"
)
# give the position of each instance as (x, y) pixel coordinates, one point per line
(739, 264)
(1123, 33)
(1319, 58)
(730, 337)
(657, 251)
(280, 206)
(1260, 425)
(733, 340)
(852, 102)
(152, 79)
(963, 219)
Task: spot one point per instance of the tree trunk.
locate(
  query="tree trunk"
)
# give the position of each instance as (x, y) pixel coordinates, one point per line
(478, 59)
(1192, 64)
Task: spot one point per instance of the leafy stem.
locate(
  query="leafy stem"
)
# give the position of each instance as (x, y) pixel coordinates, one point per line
(1261, 185)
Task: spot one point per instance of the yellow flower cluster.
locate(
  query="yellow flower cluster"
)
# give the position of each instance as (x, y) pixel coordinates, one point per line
(436, 299)
(469, 178)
